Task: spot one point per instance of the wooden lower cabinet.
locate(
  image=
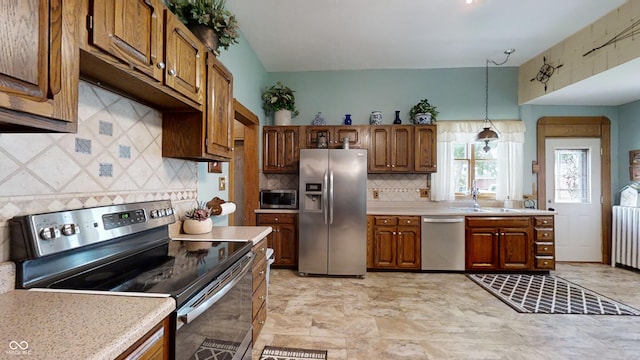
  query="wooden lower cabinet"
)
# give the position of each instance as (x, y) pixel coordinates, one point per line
(393, 242)
(500, 243)
(544, 242)
(259, 297)
(153, 346)
(284, 237)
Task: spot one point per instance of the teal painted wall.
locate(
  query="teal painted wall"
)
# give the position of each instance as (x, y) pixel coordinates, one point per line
(629, 139)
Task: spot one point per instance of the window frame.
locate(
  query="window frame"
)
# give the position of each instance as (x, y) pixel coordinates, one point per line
(471, 159)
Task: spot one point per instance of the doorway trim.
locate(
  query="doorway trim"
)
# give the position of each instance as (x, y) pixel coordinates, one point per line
(579, 127)
(251, 188)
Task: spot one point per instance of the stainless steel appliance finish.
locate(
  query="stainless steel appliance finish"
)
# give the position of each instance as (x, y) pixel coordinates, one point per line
(443, 243)
(126, 248)
(278, 199)
(333, 212)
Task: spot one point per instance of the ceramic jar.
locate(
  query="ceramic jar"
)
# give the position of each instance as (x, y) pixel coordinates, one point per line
(318, 120)
(375, 118)
(282, 117)
(195, 227)
(347, 119)
(422, 119)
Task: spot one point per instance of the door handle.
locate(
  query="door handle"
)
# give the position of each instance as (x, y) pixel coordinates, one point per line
(331, 197)
(325, 199)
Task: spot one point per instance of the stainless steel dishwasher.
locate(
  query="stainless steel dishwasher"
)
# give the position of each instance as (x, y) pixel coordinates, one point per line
(442, 243)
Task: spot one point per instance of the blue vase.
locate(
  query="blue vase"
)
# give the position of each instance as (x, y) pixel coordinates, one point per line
(347, 119)
(397, 119)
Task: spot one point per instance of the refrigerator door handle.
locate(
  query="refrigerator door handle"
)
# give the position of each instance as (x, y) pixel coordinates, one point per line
(331, 197)
(325, 198)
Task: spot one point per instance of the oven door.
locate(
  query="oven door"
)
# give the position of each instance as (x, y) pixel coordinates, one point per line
(217, 322)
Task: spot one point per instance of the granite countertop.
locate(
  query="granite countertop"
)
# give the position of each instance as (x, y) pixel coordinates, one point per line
(69, 325)
(228, 233)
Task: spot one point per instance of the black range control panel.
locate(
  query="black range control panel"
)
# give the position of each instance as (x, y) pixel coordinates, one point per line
(115, 220)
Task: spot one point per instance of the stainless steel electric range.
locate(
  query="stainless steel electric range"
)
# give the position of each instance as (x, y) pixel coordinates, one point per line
(126, 249)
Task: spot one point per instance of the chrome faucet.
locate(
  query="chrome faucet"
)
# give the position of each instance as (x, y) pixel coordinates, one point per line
(474, 194)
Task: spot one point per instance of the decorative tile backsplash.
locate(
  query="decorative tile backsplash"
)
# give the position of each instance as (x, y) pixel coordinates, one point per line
(390, 187)
(116, 157)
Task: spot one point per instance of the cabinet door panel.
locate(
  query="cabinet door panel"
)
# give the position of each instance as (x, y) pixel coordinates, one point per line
(408, 247)
(270, 150)
(515, 249)
(131, 30)
(384, 247)
(401, 149)
(425, 148)
(356, 136)
(482, 249)
(220, 109)
(185, 59)
(286, 250)
(379, 156)
(290, 149)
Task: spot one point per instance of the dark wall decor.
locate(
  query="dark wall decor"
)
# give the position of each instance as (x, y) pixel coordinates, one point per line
(545, 72)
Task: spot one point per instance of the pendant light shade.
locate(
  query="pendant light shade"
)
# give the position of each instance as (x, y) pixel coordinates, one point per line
(487, 134)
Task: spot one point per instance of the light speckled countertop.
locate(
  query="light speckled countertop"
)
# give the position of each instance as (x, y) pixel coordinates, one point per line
(228, 233)
(68, 326)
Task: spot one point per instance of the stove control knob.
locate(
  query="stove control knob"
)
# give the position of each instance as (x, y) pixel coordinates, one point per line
(169, 211)
(154, 214)
(49, 233)
(70, 229)
(162, 212)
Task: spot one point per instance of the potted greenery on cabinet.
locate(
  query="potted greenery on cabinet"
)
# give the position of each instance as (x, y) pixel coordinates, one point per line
(423, 113)
(209, 20)
(279, 100)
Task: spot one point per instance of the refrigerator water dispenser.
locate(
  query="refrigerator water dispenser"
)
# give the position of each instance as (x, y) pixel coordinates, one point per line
(313, 197)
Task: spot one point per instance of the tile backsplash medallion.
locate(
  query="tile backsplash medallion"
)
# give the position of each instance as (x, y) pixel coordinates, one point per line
(116, 157)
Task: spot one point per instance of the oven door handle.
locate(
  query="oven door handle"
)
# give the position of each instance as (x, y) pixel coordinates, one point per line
(186, 318)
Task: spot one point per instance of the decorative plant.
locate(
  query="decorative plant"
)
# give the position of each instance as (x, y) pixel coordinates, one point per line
(210, 13)
(200, 213)
(423, 107)
(279, 97)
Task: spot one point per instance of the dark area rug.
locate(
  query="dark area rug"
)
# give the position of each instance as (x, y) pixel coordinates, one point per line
(547, 294)
(215, 350)
(281, 353)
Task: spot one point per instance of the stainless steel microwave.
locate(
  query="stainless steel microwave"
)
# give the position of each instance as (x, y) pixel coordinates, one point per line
(278, 199)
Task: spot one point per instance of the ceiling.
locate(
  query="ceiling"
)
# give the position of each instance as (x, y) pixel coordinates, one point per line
(320, 35)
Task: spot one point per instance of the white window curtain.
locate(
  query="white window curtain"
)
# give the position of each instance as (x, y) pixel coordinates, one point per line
(510, 157)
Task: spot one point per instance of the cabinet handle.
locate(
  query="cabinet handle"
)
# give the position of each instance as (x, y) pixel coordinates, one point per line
(262, 249)
(546, 262)
(172, 72)
(408, 221)
(497, 234)
(385, 221)
(261, 297)
(394, 233)
(544, 221)
(545, 248)
(161, 65)
(261, 272)
(393, 166)
(261, 322)
(545, 234)
(399, 232)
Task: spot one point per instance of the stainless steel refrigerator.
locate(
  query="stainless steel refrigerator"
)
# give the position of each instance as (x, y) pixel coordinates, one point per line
(332, 231)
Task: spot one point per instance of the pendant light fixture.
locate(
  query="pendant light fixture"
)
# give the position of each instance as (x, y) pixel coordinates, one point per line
(487, 134)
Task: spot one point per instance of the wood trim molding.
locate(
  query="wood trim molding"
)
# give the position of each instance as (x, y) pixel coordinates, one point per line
(250, 188)
(580, 127)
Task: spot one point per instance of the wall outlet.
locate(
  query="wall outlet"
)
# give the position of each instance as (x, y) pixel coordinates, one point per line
(425, 193)
(376, 194)
(222, 184)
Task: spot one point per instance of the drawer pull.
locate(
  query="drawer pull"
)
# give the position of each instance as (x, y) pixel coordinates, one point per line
(545, 262)
(261, 272)
(545, 248)
(545, 221)
(261, 297)
(408, 221)
(545, 234)
(161, 65)
(261, 322)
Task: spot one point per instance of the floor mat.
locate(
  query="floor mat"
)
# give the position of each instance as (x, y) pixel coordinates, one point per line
(281, 353)
(547, 294)
(212, 349)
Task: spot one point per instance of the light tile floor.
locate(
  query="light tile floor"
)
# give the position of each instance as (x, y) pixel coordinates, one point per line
(397, 315)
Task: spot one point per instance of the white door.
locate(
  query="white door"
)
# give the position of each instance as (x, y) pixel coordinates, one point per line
(573, 189)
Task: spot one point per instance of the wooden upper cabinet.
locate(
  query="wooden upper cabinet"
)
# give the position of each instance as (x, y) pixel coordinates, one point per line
(131, 30)
(38, 66)
(425, 148)
(185, 59)
(219, 108)
(142, 50)
(357, 135)
(391, 148)
(280, 149)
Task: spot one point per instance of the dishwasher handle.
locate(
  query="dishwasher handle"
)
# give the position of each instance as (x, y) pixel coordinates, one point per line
(443, 220)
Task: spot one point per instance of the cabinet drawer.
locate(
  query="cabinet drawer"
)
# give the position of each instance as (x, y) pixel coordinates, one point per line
(386, 220)
(259, 298)
(499, 222)
(544, 234)
(544, 248)
(275, 219)
(545, 262)
(259, 273)
(544, 221)
(260, 249)
(258, 322)
(408, 220)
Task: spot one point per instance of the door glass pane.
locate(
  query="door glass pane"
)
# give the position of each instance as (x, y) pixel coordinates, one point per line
(572, 176)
